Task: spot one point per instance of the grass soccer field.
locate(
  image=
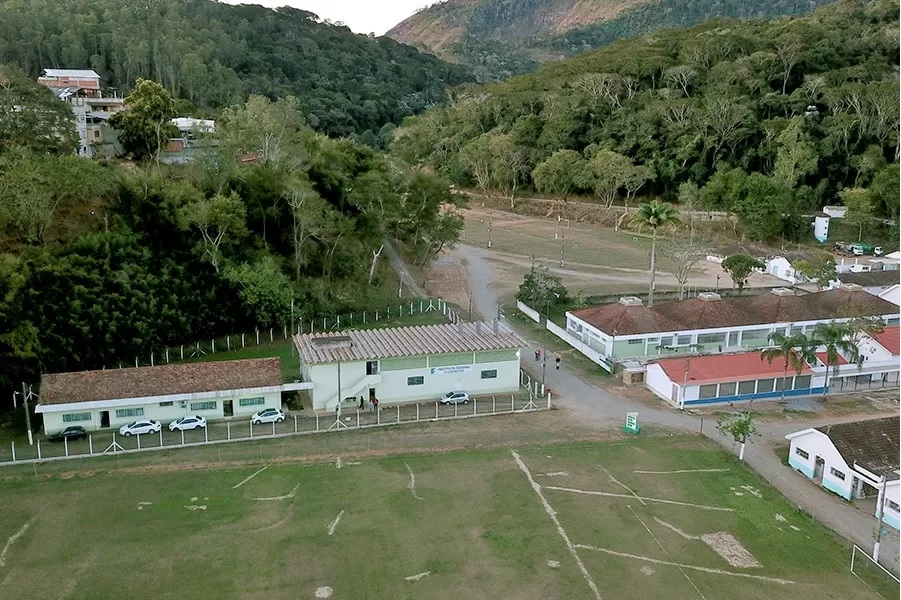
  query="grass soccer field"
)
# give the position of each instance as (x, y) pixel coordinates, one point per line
(645, 518)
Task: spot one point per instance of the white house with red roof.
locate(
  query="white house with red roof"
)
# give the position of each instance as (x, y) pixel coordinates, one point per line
(743, 377)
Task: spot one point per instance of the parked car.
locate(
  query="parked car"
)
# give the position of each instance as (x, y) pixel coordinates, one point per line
(268, 415)
(140, 428)
(187, 423)
(455, 397)
(75, 432)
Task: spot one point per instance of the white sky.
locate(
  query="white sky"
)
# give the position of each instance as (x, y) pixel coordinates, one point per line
(362, 16)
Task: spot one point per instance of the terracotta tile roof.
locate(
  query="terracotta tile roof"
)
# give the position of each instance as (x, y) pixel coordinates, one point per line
(724, 367)
(393, 342)
(824, 358)
(762, 309)
(162, 380)
(871, 279)
(873, 444)
(890, 339)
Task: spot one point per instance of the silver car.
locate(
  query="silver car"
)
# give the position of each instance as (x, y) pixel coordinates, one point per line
(455, 397)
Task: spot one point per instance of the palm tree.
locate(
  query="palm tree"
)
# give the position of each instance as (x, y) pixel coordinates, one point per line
(653, 215)
(839, 339)
(794, 350)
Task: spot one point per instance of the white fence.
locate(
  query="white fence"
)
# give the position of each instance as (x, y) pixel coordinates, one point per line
(528, 311)
(586, 350)
(871, 573)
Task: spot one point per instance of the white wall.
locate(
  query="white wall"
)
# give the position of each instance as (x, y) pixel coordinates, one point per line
(658, 382)
(53, 421)
(816, 443)
(892, 493)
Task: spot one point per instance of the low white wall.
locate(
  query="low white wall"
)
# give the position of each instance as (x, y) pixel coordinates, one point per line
(528, 311)
(589, 352)
(659, 383)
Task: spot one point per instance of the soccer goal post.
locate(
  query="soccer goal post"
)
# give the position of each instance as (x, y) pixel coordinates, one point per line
(873, 575)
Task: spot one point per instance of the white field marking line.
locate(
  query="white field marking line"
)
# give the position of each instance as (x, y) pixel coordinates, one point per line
(334, 524)
(684, 566)
(645, 498)
(12, 540)
(553, 515)
(621, 484)
(245, 480)
(682, 471)
(418, 576)
(687, 536)
(554, 474)
(412, 485)
(287, 496)
(665, 551)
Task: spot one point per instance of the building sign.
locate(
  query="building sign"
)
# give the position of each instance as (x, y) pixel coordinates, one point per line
(632, 425)
(455, 370)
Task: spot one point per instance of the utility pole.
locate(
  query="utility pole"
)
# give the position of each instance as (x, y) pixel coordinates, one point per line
(26, 392)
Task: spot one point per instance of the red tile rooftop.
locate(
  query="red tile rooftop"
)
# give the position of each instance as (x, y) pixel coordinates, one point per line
(724, 367)
(890, 339)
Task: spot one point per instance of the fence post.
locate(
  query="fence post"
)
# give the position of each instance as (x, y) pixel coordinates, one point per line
(324, 324)
(376, 315)
(273, 428)
(139, 441)
(251, 430)
(228, 430)
(549, 401)
(242, 340)
(90, 444)
(364, 316)
(411, 308)
(358, 417)
(136, 362)
(66, 446)
(398, 413)
(161, 436)
(39, 449)
(228, 343)
(271, 336)
(286, 332)
(151, 359)
(493, 405)
(295, 423)
(512, 405)
(182, 431)
(258, 337)
(338, 322)
(475, 406)
(436, 410)
(317, 421)
(417, 411)
(14, 451)
(455, 409)
(167, 356)
(182, 352)
(378, 415)
(206, 436)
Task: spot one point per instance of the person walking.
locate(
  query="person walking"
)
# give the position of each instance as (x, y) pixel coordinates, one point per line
(361, 403)
(375, 402)
(537, 354)
(371, 405)
(557, 363)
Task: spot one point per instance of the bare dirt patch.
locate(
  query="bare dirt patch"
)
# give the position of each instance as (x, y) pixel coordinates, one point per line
(730, 549)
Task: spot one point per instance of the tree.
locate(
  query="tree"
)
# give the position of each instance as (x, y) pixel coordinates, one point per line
(681, 254)
(654, 215)
(740, 267)
(861, 208)
(32, 117)
(793, 350)
(797, 155)
(276, 130)
(539, 287)
(509, 165)
(559, 174)
(307, 209)
(264, 290)
(145, 126)
(740, 426)
(839, 341)
(689, 201)
(606, 172)
(215, 218)
(821, 270)
(476, 159)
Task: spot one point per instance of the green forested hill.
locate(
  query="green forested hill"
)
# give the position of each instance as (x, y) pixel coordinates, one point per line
(769, 119)
(502, 38)
(215, 55)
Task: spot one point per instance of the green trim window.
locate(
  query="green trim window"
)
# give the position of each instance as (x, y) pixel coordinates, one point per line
(764, 386)
(402, 364)
(203, 405)
(802, 382)
(76, 417)
(129, 412)
(166, 403)
(419, 380)
(712, 338)
(727, 389)
(707, 391)
(490, 374)
(258, 401)
(746, 387)
(636, 341)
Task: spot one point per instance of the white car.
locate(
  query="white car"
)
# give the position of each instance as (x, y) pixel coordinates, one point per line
(187, 423)
(140, 428)
(455, 397)
(268, 415)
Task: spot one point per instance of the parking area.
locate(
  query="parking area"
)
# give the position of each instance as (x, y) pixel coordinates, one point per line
(109, 441)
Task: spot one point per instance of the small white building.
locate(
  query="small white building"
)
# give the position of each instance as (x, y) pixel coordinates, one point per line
(407, 364)
(114, 397)
(854, 460)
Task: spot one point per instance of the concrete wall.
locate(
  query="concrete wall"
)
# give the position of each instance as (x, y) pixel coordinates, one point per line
(528, 311)
(890, 515)
(817, 444)
(657, 381)
(165, 413)
(392, 386)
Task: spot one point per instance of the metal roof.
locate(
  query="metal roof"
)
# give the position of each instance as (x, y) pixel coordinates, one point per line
(395, 342)
(76, 73)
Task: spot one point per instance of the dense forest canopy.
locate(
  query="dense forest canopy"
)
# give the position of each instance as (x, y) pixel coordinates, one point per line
(101, 262)
(767, 119)
(502, 38)
(215, 55)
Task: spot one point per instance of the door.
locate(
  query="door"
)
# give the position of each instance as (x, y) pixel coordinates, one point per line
(372, 367)
(227, 408)
(104, 419)
(818, 468)
(371, 394)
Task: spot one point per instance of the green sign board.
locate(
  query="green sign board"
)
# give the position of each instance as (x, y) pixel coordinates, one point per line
(632, 425)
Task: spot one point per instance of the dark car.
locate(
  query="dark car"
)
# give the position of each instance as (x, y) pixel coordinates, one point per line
(69, 433)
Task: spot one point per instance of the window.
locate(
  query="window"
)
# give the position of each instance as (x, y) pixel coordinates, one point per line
(666, 341)
(779, 382)
(251, 401)
(796, 330)
(203, 405)
(165, 403)
(746, 387)
(711, 338)
(836, 473)
(401, 364)
(893, 505)
(129, 412)
(415, 380)
(802, 453)
(764, 386)
(636, 341)
(76, 417)
(727, 389)
(492, 374)
(707, 391)
(802, 382)
(733, 338)
(755, 335)
(683, 340)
